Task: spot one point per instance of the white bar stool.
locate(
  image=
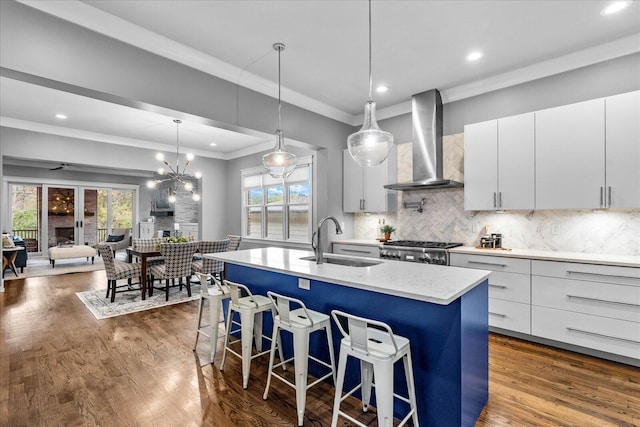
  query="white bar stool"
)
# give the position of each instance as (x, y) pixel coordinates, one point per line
(378, 349)
(215, 294)
(301, 322)
(250, 307)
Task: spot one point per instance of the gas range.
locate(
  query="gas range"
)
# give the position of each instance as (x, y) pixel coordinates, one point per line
(417, 251)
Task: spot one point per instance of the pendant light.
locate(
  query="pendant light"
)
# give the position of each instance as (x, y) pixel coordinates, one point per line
(370, 146)
(175, 175)
(279, 162)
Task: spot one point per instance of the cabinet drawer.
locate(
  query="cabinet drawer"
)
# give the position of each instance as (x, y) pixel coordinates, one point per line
(510, 286)
(513, 316)
(587, 272)
(356, 250)
(602, 299)
(600, 333)
(493, 263)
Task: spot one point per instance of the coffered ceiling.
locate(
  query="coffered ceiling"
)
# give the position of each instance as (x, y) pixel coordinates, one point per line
(417, 45)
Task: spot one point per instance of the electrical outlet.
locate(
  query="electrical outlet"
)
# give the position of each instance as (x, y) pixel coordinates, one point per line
(304, 284)
(475, 227)
(555, 228)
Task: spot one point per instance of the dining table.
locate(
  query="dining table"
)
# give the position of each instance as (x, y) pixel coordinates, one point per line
(9, 258)
(144, 255)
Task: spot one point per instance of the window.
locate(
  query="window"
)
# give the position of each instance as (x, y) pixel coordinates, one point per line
(275, 209)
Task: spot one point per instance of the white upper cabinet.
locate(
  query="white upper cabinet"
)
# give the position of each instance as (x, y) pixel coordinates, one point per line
(498, 164)
(623, 150)
(481, 166)
(363, 189)
(570, 147)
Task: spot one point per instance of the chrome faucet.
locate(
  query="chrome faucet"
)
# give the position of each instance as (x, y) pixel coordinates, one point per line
(319, 245)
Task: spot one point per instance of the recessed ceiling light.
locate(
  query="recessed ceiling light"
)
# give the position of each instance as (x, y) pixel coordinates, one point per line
(213, 144)
(614, 7)
(382, 88)
(61, 116)
(475, 55)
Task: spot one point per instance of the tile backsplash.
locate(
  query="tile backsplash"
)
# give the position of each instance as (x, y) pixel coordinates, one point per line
(443, 218)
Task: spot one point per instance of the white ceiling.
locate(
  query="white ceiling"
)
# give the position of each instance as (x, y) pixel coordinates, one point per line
(417, 45)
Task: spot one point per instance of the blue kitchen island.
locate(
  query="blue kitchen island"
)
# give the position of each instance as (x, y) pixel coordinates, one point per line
(442, 310)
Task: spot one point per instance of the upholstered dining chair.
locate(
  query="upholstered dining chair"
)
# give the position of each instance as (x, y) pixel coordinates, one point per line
(117, 270)
(177, 265)
(235, 242)
(206, 265)
(148, 244)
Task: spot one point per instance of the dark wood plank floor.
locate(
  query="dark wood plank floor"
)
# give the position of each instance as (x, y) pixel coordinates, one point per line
(59, 366)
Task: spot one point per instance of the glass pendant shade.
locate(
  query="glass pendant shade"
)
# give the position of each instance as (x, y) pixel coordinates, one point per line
(370, 146)
(279, 163)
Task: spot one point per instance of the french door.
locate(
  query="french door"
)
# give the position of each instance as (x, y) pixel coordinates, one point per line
(52, 214)
(85, 216)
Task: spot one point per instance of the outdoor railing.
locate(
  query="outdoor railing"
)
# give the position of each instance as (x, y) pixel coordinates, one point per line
(30, 237)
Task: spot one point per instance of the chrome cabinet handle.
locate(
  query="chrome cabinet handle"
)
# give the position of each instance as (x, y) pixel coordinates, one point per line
(497, 286)
(495, 201)
(497, 314)
(601, 196)
(500, 199)
(355, 251)
(363, 203)
(609, 196)
(487, 263)
(605, 301)
(587, 273)
(595, 334)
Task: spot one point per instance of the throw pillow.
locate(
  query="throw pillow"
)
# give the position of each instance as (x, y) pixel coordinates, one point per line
(115, 238)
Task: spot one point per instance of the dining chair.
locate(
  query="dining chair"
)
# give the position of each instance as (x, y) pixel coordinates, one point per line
(117, 270)
(206, 265)
(235, 241)
(177, 265)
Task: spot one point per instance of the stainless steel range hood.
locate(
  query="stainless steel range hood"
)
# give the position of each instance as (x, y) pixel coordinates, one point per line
(427, 145)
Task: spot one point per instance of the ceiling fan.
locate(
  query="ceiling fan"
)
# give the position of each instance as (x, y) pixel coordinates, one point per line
(62, 167)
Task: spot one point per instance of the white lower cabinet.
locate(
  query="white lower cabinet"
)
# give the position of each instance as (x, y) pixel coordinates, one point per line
(508, 315)
(147, 230)
(585, 330)
(509, 289)
(368, 251)
(189, 230)
(593, 306)
(590, 306)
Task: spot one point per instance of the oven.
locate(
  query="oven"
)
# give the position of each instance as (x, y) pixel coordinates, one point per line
(426, 252)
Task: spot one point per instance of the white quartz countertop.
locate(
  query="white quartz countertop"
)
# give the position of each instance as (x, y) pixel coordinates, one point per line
(585, 258)
(432, 283)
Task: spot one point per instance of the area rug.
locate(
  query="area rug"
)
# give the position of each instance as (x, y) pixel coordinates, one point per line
(131, 301)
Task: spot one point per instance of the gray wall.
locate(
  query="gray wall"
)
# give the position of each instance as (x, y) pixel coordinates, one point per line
(612, 77)
(22, 144)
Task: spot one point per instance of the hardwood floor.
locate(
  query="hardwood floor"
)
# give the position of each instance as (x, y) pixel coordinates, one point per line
(59, 366)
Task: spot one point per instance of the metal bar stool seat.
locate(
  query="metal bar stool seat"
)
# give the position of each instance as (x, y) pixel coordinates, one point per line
(300, 322)
(378, 349)
(215, 294)
(250, 308)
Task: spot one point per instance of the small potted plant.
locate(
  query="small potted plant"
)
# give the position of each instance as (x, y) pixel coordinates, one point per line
(387, 230)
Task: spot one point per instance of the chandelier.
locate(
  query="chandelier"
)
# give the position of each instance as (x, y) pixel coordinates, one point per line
(174, 175)
(370, 146)
(279, 163)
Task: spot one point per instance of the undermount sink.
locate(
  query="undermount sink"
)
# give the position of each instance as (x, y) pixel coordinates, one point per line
(349, 262)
